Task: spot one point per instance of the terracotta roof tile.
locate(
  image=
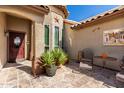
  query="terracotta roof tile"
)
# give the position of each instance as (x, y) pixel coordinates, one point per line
(100, 15)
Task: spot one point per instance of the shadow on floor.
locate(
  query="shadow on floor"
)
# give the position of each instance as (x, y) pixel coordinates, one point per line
(26, 69)
(101, 74)
(20, 66)
(8, 65)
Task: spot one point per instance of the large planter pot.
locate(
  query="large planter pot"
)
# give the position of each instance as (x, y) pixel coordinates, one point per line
(51, 70)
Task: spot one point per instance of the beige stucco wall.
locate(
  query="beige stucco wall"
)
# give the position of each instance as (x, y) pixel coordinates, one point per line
(68, 44)
(17, 24)
(22, 12)
(3, 39)
(56, 10)
(59, 24)
(50, 20)
(86, 38)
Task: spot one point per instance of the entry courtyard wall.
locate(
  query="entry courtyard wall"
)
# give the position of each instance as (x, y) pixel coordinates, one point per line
(76, 40)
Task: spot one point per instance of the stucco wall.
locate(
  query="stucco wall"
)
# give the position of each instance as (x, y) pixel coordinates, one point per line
(3, 39)
(22, 12)
(18, 24)
(50, 20)
(58, 24)
(86, 38)
(68, 37)
(56, 10)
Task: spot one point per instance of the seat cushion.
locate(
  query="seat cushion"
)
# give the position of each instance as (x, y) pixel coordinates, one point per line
(87, 60)
(85, 66)
(120, 76)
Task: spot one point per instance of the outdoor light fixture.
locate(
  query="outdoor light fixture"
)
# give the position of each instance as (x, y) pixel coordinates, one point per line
(6, 33)
(96, 29)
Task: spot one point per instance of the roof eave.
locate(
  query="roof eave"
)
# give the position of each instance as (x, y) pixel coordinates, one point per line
(37, 8)
(105, 17)
(63, 9)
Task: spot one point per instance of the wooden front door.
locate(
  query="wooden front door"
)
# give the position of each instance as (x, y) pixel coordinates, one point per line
(16, 46)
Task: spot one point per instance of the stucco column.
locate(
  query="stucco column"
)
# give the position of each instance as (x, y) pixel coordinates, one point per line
(3, 40)
(39, 38)
(32, 52)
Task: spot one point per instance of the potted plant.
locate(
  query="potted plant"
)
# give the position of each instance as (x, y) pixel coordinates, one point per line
(56, 54)
(62, 59)
(48, 61)
(59, 56)
(67, 59)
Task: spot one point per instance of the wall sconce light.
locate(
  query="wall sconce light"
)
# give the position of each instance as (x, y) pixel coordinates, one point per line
(6, 33)
(96, 29)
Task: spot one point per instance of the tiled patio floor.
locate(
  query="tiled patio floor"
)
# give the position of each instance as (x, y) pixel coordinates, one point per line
(69, 76)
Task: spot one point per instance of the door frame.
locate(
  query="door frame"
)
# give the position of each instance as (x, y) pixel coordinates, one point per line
(14, 31)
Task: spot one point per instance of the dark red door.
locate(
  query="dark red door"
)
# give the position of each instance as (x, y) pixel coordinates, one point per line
(16, 46)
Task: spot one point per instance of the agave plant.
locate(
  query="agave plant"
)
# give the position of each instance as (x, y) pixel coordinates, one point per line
(56, 54)
(62, 58)
(59, 56)
(47, 59)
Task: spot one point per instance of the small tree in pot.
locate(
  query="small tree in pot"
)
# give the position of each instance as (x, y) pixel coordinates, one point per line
(48, 61)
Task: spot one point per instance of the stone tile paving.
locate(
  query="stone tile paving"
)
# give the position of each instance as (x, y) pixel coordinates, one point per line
(18, 75)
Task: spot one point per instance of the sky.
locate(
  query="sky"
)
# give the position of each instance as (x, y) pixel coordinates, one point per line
(81, 12)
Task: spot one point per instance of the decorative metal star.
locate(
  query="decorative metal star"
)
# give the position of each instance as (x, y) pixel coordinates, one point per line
(56, 19)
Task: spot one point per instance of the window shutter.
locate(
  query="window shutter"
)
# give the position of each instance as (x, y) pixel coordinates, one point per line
(46, 35)
(56, 37)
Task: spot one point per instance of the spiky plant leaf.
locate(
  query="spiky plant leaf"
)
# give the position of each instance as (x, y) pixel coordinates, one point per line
(47, 58)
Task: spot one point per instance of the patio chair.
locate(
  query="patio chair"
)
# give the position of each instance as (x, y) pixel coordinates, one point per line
(120, 75)
(85, 57)
(120, 79)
